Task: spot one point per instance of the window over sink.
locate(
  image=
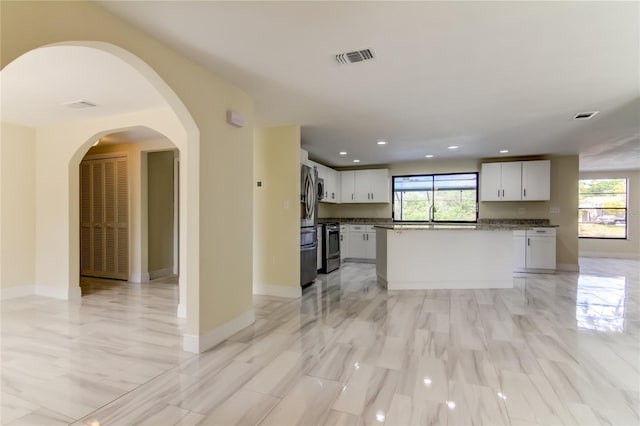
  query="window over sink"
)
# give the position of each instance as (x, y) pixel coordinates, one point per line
(436, 198)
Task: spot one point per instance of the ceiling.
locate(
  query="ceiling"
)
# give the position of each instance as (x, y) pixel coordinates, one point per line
(37, 85)
(484, 76)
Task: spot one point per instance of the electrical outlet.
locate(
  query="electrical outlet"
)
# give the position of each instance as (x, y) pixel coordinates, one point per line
(554, 210)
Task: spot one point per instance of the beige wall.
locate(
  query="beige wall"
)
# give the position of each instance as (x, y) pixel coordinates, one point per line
(17, 202)
(160, 212)
(629, 248)
(276, 217)
(218, 216)
(564, 195)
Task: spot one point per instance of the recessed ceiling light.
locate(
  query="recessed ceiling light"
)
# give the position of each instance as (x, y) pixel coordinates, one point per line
(453, 147)
(504, 151)
(356, 161)
(382, 142)
(343, 152)
(428, 156)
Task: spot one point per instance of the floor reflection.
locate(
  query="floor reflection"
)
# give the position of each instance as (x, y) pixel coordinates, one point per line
(600, 303)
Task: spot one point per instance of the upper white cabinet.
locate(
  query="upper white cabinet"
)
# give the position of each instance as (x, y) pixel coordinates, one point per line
(330, 178)
(331, 183)
(536, 180)
(516, 181)
(365, 186)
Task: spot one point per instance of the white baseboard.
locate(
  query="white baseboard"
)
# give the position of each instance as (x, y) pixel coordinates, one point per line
(199, 344)
(165, 272)
(182, 310)
(62, 293)
(609, 254)
(447, 285)
(568, 267)
(18, 291)
(291, 292)
(139, 277)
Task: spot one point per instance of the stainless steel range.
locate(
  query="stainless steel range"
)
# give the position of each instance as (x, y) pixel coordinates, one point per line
(330, 247)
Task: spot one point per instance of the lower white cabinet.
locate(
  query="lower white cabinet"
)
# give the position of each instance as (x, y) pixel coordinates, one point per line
(344, 241)
(534, 250)
(362, 242)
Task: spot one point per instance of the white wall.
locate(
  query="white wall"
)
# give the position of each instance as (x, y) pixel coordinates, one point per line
(17, 204)
(623, 249)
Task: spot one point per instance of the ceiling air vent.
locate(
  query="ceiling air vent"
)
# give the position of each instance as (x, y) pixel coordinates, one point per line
(585, 115)
(79, 104)
(355, 56)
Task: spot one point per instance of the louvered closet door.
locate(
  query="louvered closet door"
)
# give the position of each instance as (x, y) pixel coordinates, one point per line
(104, 218)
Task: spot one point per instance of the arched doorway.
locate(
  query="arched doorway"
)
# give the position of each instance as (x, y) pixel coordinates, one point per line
(63, 137)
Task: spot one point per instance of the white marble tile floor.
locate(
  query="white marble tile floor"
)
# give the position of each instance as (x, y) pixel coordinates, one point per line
(554, 350)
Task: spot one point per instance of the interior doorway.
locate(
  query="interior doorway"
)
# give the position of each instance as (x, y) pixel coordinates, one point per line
(129, 203)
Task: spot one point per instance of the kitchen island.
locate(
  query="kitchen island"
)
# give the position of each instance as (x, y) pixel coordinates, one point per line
(444, 256)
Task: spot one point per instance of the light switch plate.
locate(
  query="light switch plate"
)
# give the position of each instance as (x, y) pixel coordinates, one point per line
(554, 210)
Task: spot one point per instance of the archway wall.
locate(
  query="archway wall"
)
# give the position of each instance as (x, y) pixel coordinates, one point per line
(219, 219)
(138, 221)
(58, 153)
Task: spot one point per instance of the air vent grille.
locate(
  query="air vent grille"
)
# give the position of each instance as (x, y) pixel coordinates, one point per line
(355, 56)
(79, 104)
(585, 115)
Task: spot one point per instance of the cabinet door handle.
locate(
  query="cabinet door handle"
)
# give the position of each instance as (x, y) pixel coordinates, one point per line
(352, 195)
(524, 192)
(528, 242)
(498, 193)
(503, 193)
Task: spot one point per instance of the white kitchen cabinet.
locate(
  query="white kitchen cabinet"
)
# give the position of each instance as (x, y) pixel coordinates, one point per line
(381, 186)
(347, 186)
(501, 181)
(344, 242)
(536, 180)
(365, 186)
(515, 181)
(362, 242)
(332, 184)
(534, 250)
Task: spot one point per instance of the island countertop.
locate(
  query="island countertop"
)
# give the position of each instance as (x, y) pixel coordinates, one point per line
(460, 226)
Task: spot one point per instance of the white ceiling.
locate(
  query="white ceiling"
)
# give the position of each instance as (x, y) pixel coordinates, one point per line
(36, 85)
(482, 75)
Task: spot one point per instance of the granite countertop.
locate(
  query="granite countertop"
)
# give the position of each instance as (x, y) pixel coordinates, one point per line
(347, 220)
(460, 226)
(482, 225)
